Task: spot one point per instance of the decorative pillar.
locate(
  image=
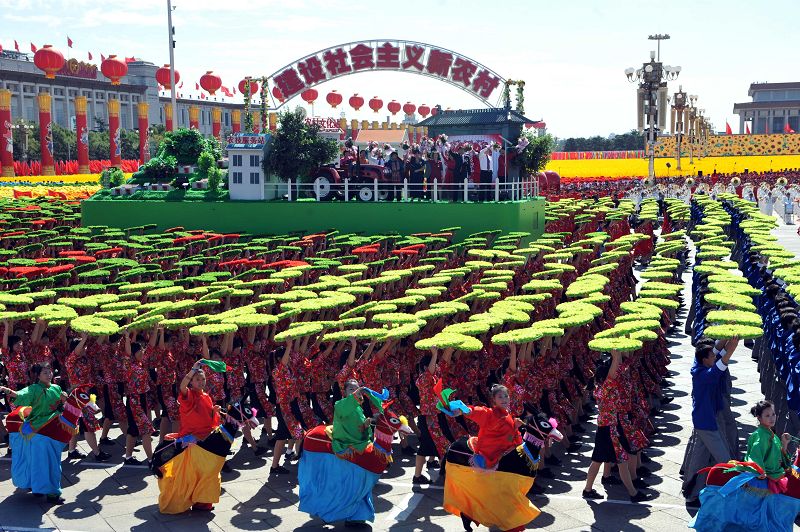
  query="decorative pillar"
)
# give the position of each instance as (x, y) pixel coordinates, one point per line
(375, 124)
(45, 134)
(343, 127)
(365, 124)
(168, 116)
(6, 135)
(354, 128)
(115, 144)
(82, 134)
(144, 132)
(194, 117)
(236, 121)
(256, 121)
(273, 121)
(216, 122)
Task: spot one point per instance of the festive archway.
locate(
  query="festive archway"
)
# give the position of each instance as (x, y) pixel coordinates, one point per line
(388, 55)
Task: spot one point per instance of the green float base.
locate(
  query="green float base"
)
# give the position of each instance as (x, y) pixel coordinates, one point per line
(281, 217)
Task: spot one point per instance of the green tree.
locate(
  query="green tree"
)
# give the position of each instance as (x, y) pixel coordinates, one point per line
(99, 145)
(64, 144)
(536, 154)
(185, 145)
(130, 144)
(296, 149)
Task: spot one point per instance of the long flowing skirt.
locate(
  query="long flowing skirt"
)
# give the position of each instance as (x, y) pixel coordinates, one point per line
(751, 507)
(490, 497)
(193, 476)
(36, 463)
(334, 489)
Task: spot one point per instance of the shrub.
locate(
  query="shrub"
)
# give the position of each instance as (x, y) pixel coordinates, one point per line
(159, 169)
(185, 145)
(205, 163)
(112, 177)
(214, 179)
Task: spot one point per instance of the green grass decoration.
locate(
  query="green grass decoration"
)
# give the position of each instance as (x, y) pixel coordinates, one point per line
(251, 320)
(178, 323)
(734, 288)
(117, 315)
(394, 318)
(470, 328)
(403, 331)
(144, 323)
(212, 329)
(733, 301)
(358, 334)
(14, 299)
(622, 344)
(734, 317)
(94, 326)
(728, 331)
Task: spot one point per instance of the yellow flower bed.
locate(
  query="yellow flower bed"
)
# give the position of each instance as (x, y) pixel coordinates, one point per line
(72, 192)
(73, 178)
(638, 167)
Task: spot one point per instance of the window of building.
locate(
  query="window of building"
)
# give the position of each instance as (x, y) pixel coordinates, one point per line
(237, 178)
(58, 92)
(73, 92)
(254, 178)
(88, 94)
(777, 124)
(99, 96)
(255, 160)
(237, 160)
(794, 123)
(13, 87)
(29, 89)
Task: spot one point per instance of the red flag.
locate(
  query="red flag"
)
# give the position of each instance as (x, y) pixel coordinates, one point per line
(787, 128)
(728, 130)
(181, 85)
(102, 57)
(16, 46)
(130, 59)
(197, 86)
(69, 42)
(747, 128)
(90, 55)
(33, 48)
(1, 47)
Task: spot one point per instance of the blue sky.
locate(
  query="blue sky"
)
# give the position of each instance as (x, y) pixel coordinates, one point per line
(570, 53)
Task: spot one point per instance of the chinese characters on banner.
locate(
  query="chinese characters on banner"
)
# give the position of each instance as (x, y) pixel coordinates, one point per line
(399, 56)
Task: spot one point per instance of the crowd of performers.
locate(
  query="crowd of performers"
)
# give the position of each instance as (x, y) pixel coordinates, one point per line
(481, 163)
(180, 389)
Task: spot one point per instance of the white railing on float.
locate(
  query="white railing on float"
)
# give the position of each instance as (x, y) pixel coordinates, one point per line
(466, 191)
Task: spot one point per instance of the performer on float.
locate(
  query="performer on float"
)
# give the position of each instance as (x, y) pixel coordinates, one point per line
(188, 463)
(36, 459)
(766, 449)
(490, 487)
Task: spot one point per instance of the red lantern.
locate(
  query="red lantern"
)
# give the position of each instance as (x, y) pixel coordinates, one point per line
(162, 76)
(48, 59)
(393, 107)
(278, 94)
(356, 102)
(424, 110)
(114, 69)
(334, 98)
(309, 96)
(409, 108)
(253, 86)
(435, 111)
(210, 82)
(375, 104)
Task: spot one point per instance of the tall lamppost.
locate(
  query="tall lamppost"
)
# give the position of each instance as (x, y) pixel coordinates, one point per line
(691, 119)
(652, 79)
(678, 112)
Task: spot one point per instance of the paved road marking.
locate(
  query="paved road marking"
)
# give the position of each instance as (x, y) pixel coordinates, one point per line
(404, 508)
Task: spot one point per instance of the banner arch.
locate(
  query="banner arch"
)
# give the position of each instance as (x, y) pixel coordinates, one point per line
(387, 55)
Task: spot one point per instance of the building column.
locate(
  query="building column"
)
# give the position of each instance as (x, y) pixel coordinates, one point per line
(144, 132)
(6, 135)
(194, 117)
(115, 144)
(257, 122)
(236, 121)
(45, 134)
(168, 117)
(273, 121)
(216, 122)
(82, 134)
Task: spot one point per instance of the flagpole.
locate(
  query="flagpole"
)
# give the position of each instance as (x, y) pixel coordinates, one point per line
(172, 63)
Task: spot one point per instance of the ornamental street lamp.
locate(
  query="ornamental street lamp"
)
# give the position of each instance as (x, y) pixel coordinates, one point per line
(678, 122)
(691, 118)
(652, 100)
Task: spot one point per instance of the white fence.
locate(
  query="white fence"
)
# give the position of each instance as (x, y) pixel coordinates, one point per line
(377, 190)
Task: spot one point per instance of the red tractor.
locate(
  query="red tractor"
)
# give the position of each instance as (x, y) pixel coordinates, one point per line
(329, 182)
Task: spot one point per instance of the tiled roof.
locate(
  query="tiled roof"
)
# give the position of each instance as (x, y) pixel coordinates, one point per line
(471, 117)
